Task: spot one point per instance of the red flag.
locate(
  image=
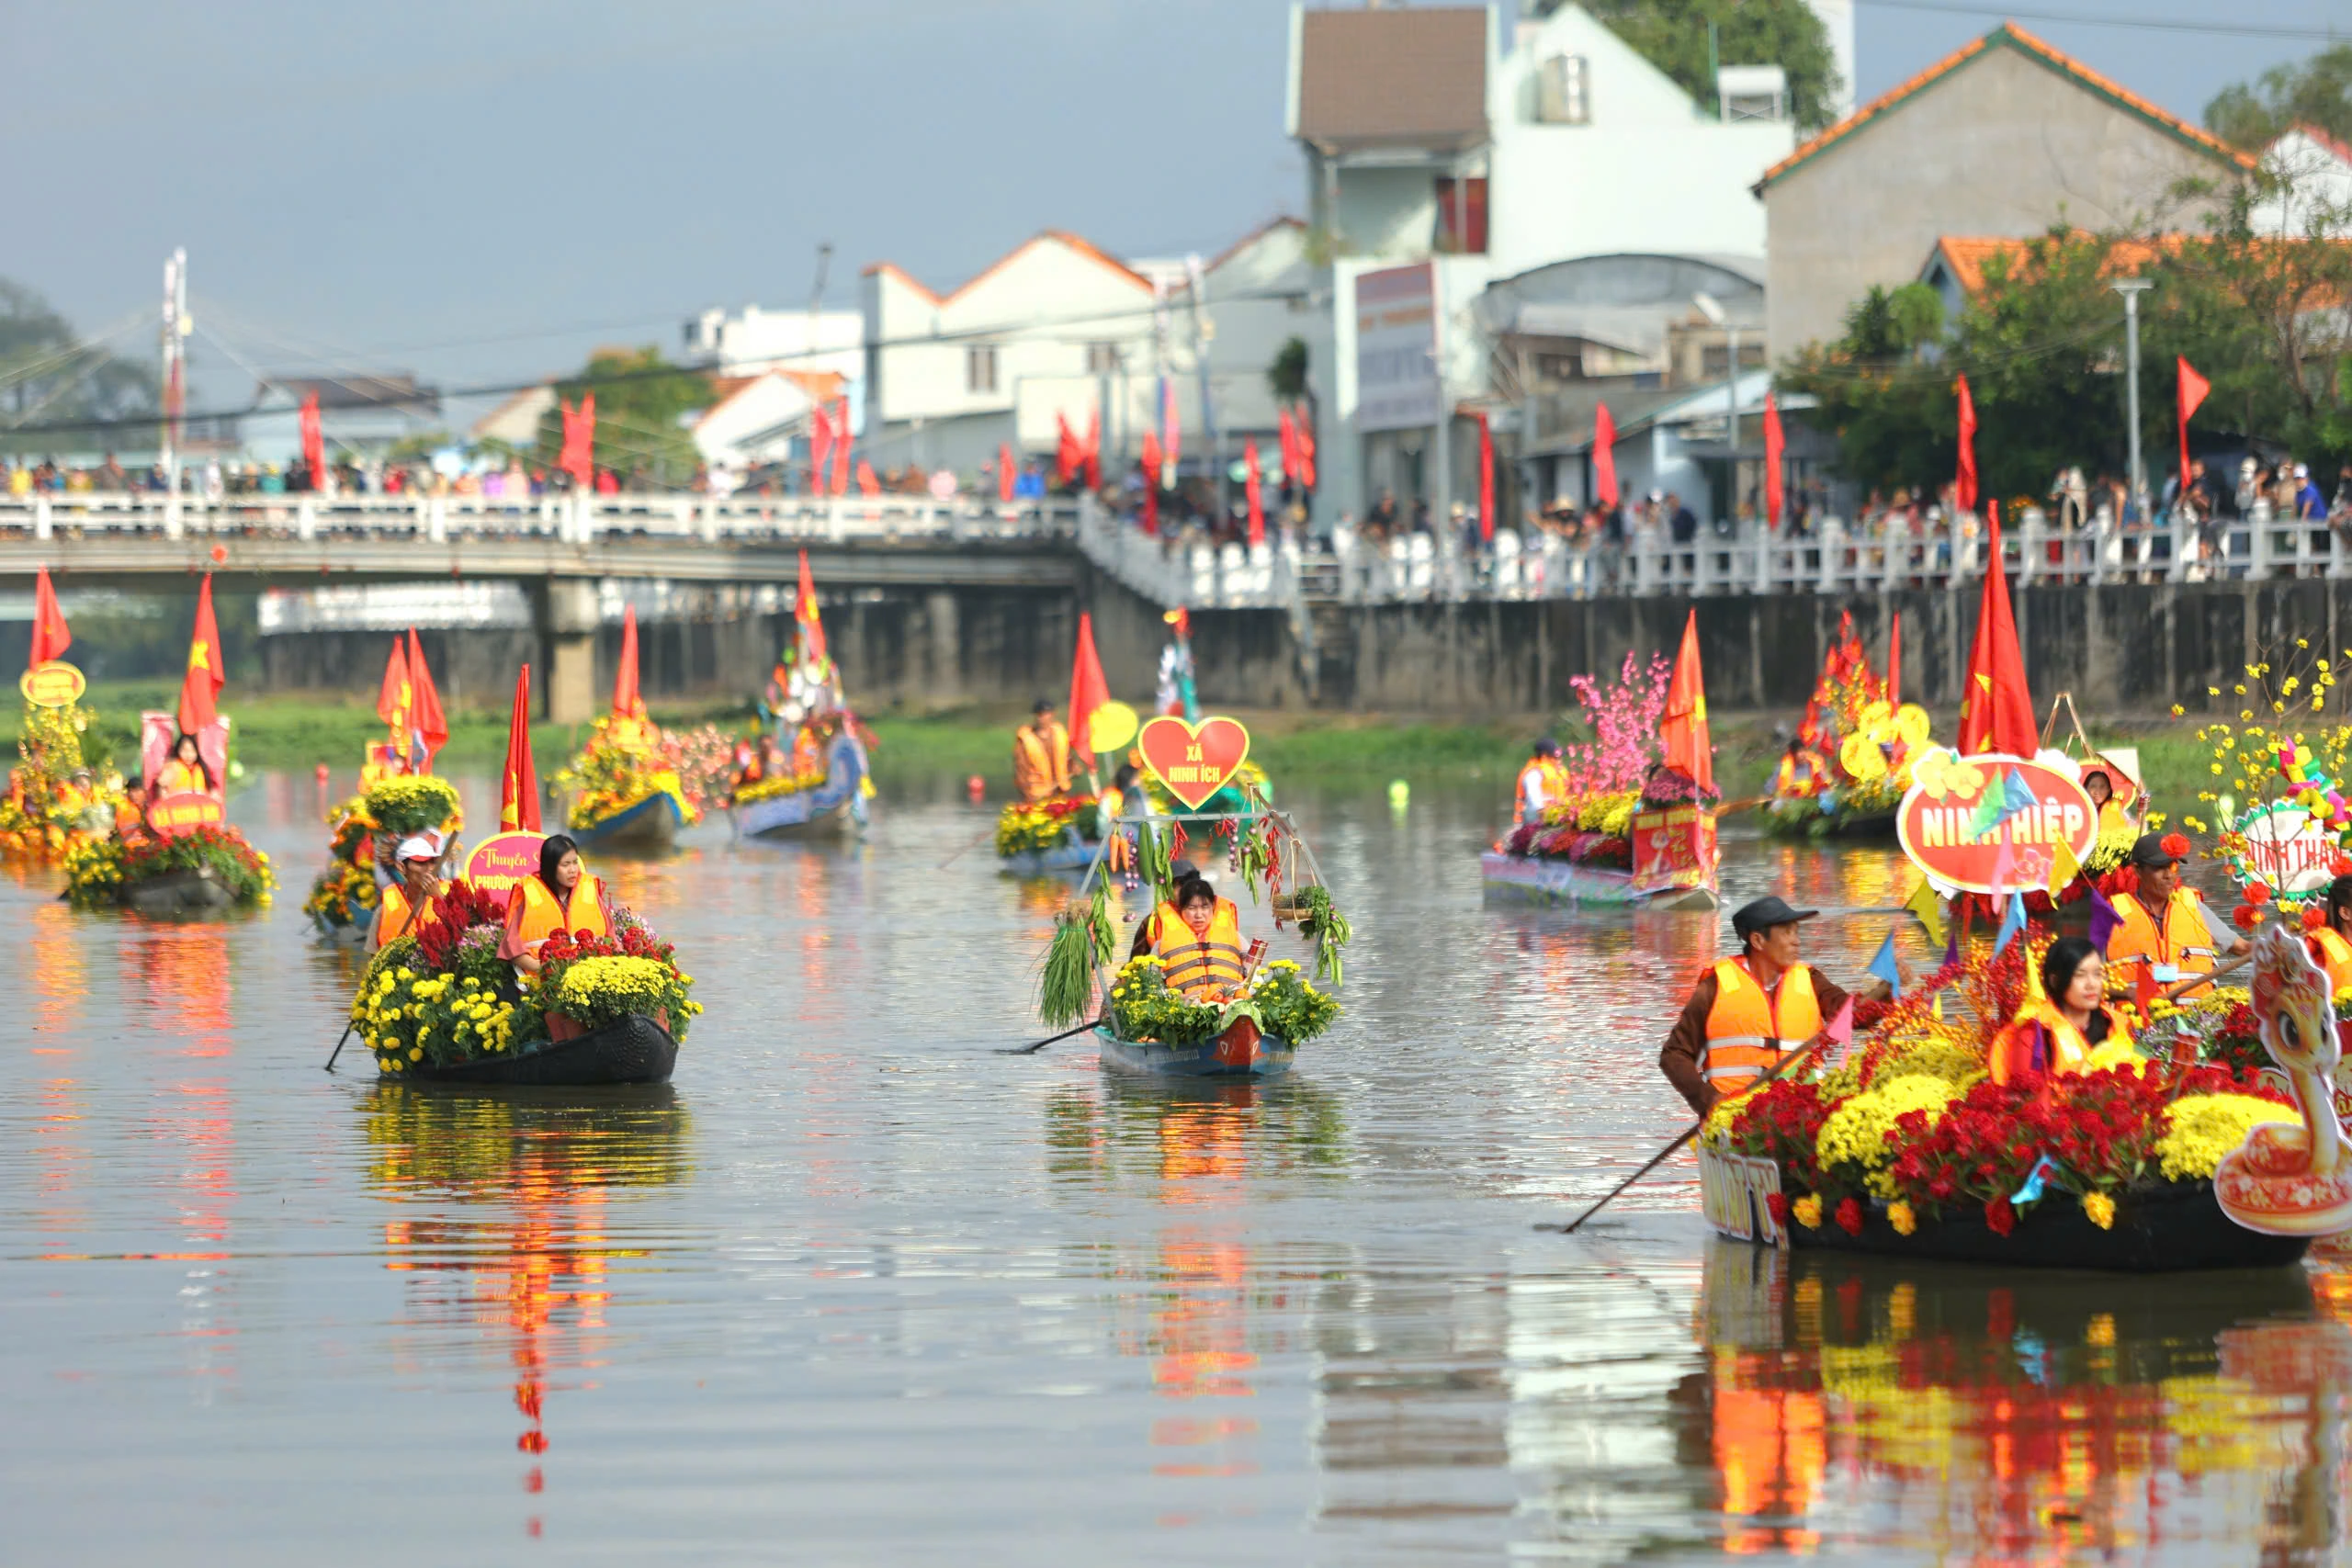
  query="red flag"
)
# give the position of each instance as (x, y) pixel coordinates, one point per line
(812, 627)
(627, 702)
(1093, 453)
(1775, 492)
(867, 484)
(1486, 481)
(315, 443)
(200, 687)
(1604, 457)
(1151, 457)
(1684, 730)
(1964, 489)
(841, 439)
(1286, 431)
(1250, 489)
(51, 639)
(1087, 690)
(1065, 449)
(578, 457)
(1305, 452)
(821, 446)
(1005, 475)
(396, 698)
(518, 785)
(2191, 393)
(430, 724)
(1895, 662)
(1997, 708)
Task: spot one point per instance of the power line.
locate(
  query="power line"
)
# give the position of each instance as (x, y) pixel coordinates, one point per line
(2084, 18)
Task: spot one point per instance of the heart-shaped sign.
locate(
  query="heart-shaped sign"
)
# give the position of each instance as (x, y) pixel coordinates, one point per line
(1193, 761)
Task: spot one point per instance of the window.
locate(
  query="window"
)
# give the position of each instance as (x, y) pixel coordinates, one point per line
(1462, 215)
(1564, 91)
(1103, 358)
(979, 369)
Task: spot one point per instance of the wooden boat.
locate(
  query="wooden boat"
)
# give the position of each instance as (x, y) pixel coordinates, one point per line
(1546, 881)
(637, 1049)
(1241, 1052)
(648, 826)
(1072, 854)
(177, 892)
(836, 806)
(1802, 817)
(352, 935)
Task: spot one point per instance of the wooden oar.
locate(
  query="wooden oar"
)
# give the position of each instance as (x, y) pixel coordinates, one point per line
(2193, 981)
(354, 1022)
(1780, 1068)
(1048, 1040)
(967, 848)
(1748, 804)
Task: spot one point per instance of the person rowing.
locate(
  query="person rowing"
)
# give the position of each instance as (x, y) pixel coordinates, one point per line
(410, 899)
(1749, 1009)
(560, 896)
(2164, 934)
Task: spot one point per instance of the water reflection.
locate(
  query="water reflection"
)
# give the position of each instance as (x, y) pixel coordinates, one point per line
(513, 1242)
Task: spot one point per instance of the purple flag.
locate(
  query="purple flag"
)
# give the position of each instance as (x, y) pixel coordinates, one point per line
(2104, 919)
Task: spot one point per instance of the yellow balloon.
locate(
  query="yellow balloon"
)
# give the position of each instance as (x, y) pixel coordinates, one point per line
(1112, 726)
(1861, 757)
(1912, 723)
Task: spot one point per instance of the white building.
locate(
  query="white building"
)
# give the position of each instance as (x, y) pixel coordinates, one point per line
(2316, 170)
(751, 341)
(1427, 141)
(759, 418)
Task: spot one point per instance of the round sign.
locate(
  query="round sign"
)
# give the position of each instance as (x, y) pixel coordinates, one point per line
(55, 684)
(1951, 834)
(2284, 848)
(502, 860)
(942, 485)
(1111, 726)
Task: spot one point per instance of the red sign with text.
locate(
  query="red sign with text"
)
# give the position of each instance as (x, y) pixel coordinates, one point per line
(1193, 761)
(1937, 821)
(1673, 848)
(176, 814)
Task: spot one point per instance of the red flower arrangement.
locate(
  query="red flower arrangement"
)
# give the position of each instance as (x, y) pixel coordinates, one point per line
(2258, 894)
(1849, 1217)
(460, 907)
(2314, 916)
(1777, 1205)
(1999, 1217)
(2175, 845)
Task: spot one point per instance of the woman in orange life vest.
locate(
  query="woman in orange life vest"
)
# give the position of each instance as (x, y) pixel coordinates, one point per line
(2054, 1031)
(562, 896)
(183, 771)
(2331, 945)
(410, 899)
(1197, 937)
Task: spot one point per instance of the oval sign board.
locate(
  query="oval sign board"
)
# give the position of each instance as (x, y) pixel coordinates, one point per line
(173, 815)
(502, 860)
(1947, 832)
(55, 684)
(2280, 845)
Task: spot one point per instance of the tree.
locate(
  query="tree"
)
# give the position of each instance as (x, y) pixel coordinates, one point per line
(49, 376)
(1287, 375)
(641, 403)
(1672, 36)
(2316, 93)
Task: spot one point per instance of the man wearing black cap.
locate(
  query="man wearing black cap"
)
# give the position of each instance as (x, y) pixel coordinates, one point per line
(2162, 933)
(1745, 1010)
(1041, 755)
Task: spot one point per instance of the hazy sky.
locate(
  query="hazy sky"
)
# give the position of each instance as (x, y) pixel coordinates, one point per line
(482, 189)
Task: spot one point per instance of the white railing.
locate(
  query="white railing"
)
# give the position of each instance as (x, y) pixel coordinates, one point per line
(577, 519)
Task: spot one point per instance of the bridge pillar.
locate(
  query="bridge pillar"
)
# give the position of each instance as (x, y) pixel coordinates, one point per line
(570, 634)
(945, 680)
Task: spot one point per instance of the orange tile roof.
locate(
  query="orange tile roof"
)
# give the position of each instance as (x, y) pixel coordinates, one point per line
(1083, 247)
(1967, 255)
(2008, 35)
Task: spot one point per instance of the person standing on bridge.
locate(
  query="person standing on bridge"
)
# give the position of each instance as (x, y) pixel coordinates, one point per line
(1041, 755)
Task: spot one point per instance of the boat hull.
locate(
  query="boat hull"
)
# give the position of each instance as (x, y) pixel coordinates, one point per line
(2173, 1229)
(647, 826)
(1072, 854)
(634, 1050)
(177, 893)
(836, 806)
(1805, 819)
(1540, 881)
(1239, 1052)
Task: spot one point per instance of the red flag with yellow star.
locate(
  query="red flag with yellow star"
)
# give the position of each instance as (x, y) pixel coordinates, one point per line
(1687, 749)
(200, 689)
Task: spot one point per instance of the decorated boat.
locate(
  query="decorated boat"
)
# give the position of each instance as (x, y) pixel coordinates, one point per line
(179, 854)
(811, 776)
(627, 792)
(398, 798)
(58, 797)
(1062, 832)
(1250, 1028)
(1844, 772)
(1631, 818)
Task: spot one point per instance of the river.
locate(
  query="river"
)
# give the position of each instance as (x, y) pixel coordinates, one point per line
(857, 1289)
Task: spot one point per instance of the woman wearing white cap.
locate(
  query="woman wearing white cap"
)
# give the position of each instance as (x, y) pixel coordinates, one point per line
(411, 900)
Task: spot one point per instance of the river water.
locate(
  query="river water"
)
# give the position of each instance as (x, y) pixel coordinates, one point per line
(856, 1289)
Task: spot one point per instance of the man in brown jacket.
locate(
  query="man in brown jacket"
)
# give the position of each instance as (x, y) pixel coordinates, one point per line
(1720, 1044)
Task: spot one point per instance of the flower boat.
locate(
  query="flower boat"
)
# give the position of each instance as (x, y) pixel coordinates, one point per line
(1045, 837)
(1239, 1051)
(1909, 1149)
(809, 803)
(1630, 817)
(440, 1006)
(648, 824)
(1846, 768)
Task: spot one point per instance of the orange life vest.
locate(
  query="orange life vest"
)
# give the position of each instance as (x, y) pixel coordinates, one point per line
(2332, 953)
(1745, 1029)
(542, 917)
(1196, 967)
(1041, 762)
(1551, 776)
(393, 917)
(2065, 1049)
(2185, 941)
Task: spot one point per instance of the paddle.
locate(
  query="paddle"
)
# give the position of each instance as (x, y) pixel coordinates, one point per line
(347, 1028)
(1778, 1067)
(1749, 803)
(984, 834)
(1048, 1040)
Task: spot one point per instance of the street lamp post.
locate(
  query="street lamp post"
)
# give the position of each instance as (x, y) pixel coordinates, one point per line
(2131, 289)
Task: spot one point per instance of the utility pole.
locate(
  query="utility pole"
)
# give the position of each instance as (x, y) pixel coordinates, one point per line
(175, 326)
(1205, 332)
(2131, 289)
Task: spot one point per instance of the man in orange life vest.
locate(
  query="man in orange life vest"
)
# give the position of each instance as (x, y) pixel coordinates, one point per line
(2331, 945)
(1041, 755)
(1543, 782)
(1745, 1011)
(2161, 932)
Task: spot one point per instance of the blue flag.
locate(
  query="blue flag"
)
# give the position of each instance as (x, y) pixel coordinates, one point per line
(2044, 1168)
(2012, 922)
(1884, 967)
